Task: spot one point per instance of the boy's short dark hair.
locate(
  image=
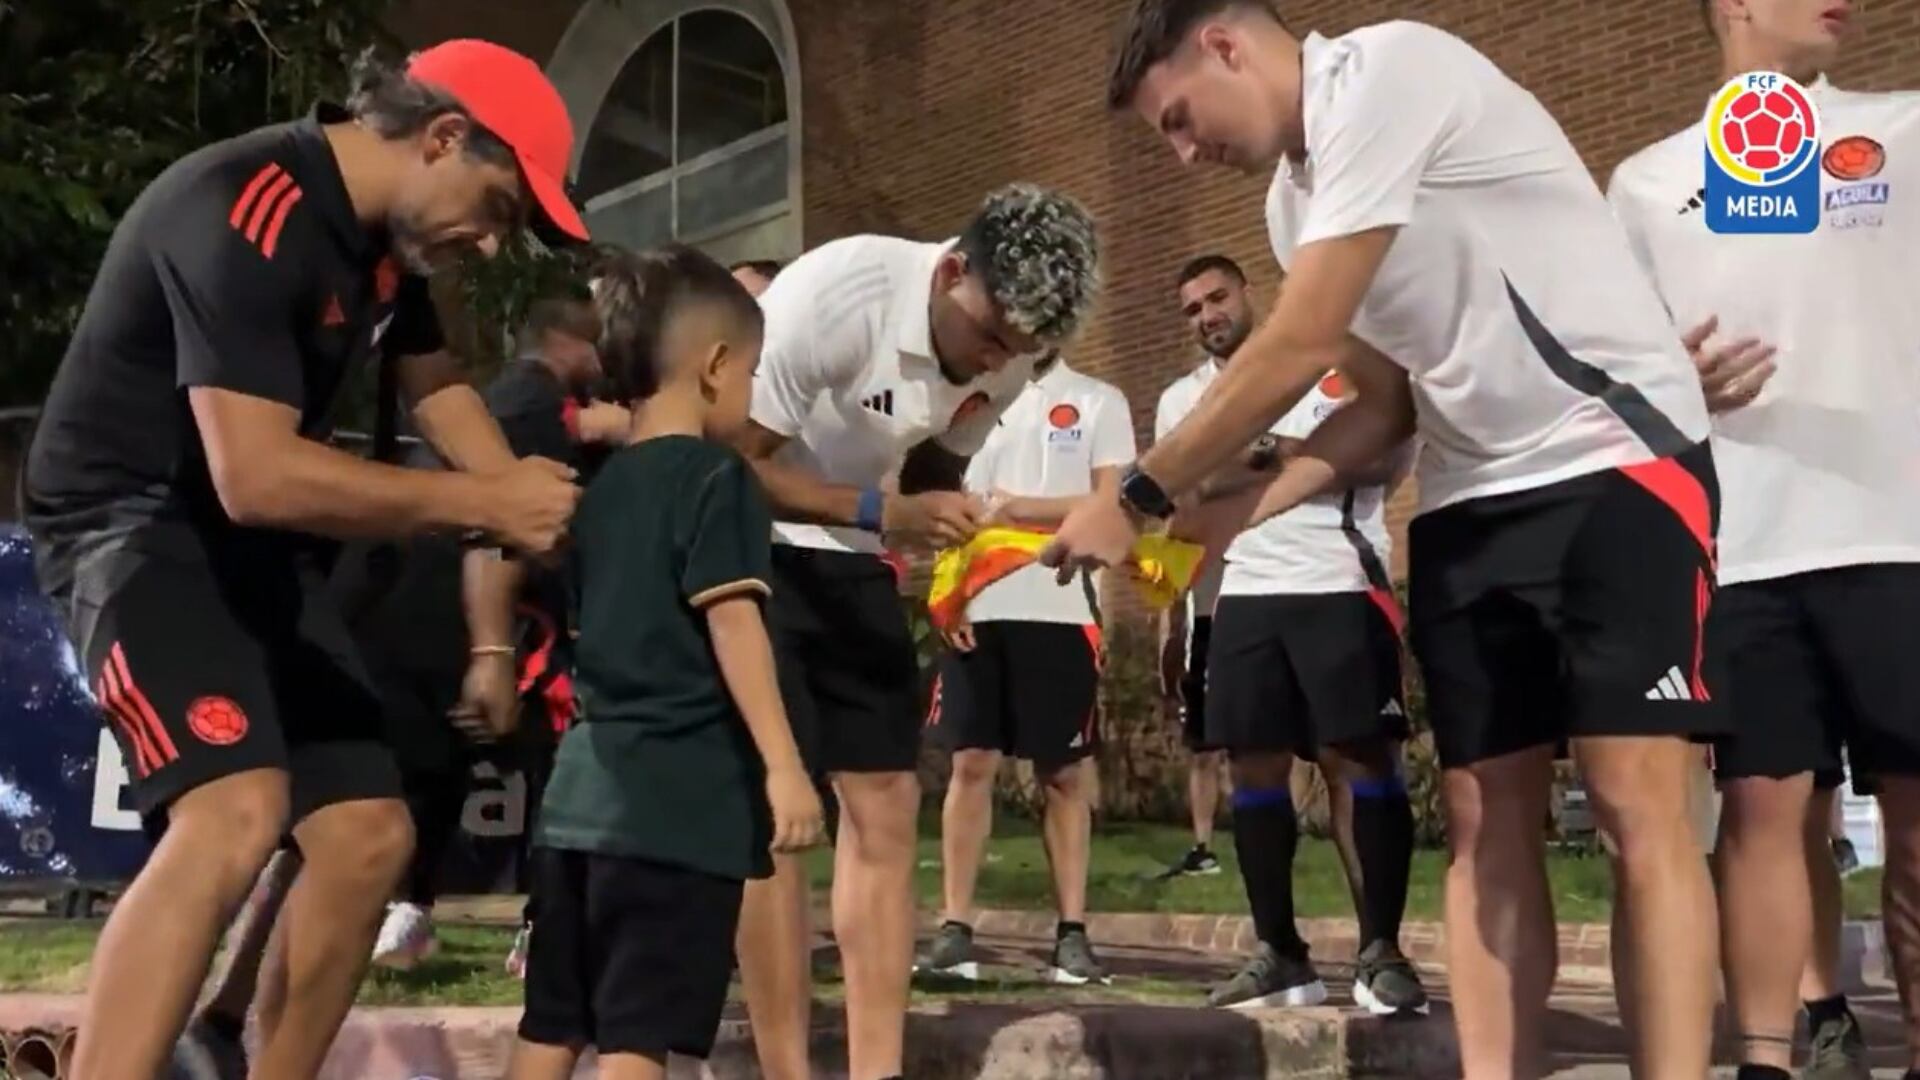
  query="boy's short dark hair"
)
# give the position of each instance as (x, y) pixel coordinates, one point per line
(766, 268)
(1155, 29)
(393, 106)
(638, 293)
(1203, 263)
(570, 315)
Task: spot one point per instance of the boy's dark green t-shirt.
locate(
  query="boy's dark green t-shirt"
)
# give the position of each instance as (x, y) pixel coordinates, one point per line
(661, 765)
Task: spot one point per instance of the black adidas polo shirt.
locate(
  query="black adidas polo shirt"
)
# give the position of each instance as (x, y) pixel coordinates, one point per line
(242, 267)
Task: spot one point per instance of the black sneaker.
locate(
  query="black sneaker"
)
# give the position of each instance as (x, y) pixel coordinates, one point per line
(1385, 983)
(1073, 962)
(1197, 862)
(951, 953)
(205, 1052)
(1836, 1050)
(1269, 980)
(1845, 857)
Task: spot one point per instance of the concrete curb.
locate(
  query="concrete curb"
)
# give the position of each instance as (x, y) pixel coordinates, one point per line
(951, 1041)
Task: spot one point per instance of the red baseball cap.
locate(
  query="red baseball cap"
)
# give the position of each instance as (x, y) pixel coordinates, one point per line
(510, 96)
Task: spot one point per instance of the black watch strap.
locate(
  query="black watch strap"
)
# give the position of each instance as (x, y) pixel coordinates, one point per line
(1142, 494)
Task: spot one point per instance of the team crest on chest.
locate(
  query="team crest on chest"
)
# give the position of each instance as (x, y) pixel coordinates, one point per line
(1063, 424)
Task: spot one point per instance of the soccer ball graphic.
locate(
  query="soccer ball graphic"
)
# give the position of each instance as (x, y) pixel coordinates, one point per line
(217, 720)
(1763, 130)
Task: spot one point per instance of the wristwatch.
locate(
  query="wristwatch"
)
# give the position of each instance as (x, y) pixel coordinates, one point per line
(1143, 495)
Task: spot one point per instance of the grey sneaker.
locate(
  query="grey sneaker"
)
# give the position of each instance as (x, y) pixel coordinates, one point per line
(1837, 1051)
(204, 1052)
(1073, 962)
(951, 953)
(1269, 980)
(1385, 983)
(1197, 862)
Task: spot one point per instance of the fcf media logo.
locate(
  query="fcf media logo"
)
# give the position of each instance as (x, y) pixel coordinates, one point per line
(1763, 145)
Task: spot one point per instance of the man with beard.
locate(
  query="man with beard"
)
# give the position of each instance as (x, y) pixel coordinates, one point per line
(184, 506)
(1304, 662)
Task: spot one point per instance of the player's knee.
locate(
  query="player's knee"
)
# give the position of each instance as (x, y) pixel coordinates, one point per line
(1068, 782)
(1370, 762)
(1262, 771)
(883, 808)
(974, 768)
(246, 812)
(367, 842)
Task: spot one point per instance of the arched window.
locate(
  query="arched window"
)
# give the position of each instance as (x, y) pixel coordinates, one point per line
(691, 141)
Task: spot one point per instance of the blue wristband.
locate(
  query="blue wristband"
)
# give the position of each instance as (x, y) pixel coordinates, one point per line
(870, 511)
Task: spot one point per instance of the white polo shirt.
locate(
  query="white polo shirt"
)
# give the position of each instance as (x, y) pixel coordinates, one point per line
(1536, 348)
(1176, 401)
(1823, 468)
(847, 373)
(1064, 426)
(1333, 543)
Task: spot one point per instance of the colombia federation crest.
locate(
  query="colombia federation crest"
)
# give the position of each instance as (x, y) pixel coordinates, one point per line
(1762, 156)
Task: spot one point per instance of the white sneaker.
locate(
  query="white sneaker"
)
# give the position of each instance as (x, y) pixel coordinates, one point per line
(516, 963)
(406, 937)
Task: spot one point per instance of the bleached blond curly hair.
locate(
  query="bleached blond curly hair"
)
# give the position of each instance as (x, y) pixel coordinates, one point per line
(1039, 254)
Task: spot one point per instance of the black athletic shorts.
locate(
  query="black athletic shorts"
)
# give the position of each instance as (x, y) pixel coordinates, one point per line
(846, 661)
(1574, 609)
(628, 955)
(1295, 673)
(1193, 686)
(1818, 661)
(1029, 689)
(207, 666)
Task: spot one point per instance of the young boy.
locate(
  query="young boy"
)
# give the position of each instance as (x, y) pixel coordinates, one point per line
(658, 808)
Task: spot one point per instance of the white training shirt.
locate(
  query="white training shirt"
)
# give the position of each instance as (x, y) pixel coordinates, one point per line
(1334, 542)
(1176, 401)
(1536, 348)
(1063, 427)
(1823, 468)
(847, 373)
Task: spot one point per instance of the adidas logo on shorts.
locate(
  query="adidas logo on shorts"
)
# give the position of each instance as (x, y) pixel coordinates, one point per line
(1671, 687)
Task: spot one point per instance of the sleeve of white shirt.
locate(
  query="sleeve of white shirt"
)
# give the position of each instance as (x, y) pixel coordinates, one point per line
(1165, 417)
(1113, 443)
(1388, 104)
(1002, 388)
(799, 360)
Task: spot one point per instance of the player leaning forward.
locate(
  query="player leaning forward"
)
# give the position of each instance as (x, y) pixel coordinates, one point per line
(184, 506)
(1446, 248)
(880, 355)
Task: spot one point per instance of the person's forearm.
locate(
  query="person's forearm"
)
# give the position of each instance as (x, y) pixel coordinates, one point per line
(1342, 452)
(1234, 478)
(455, 422)
(797, 494)
(306, 486)
(745, 654)
(489, 584)
(1261, 383)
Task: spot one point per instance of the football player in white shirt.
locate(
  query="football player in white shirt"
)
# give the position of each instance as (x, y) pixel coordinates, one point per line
(1812, 368)
(1023, 676)
(1447, 250)
(881, 356)
(1304, 659)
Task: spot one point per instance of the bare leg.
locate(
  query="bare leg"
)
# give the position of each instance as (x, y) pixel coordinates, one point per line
(1766, 917)
(1068, 832)
(540, 1061)
(1821, 979)
(1340, 818)
(776, 971)
(157, 944)
(1501, 945)
(966, 821)
(355, 854)
(1203, 793)
(1640, 788)
(633, 1067)
(873, 906)
(238, 974)
(1900, 897)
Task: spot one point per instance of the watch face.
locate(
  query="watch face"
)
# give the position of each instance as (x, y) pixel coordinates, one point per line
(1145, 495)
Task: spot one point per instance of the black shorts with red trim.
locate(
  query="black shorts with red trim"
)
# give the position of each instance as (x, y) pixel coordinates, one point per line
(209, 666)
(1570, 610)
(1029, 689)
(1293, 673)
(1816, 662)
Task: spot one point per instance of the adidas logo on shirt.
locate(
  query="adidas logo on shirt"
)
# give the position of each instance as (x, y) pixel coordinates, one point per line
(1392, 708)
(881, 403)
(1671, 687)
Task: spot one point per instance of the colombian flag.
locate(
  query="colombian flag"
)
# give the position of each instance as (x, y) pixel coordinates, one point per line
(1163, 566)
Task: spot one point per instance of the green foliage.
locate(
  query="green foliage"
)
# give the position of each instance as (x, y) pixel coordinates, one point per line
(98, 96)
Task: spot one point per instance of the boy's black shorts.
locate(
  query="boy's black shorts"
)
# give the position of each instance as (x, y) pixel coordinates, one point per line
(628, 955)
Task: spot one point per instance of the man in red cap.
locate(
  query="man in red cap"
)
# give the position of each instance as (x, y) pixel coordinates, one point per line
(184, 506)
